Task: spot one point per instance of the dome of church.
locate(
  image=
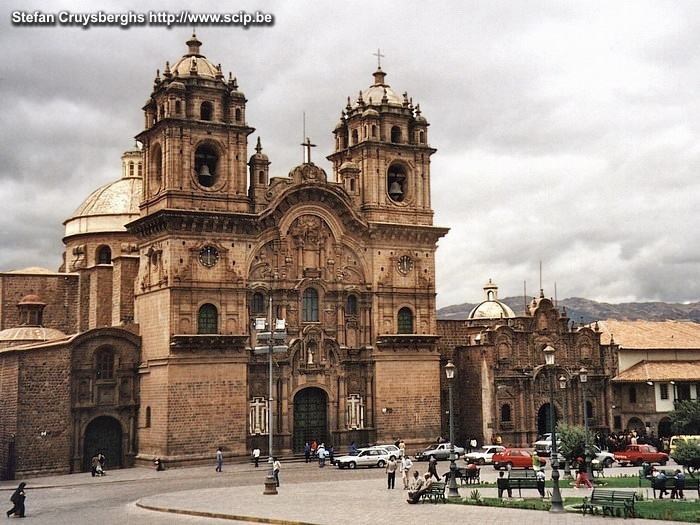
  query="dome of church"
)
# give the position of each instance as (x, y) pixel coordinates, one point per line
(370, 113)
(379, 90)
(193, 63)
(348, 165)
(110, 207)
(491, 308)
(28, 334)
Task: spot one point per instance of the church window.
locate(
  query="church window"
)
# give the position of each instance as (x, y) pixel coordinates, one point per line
(238, 114)
(205, 162)
(257, 416)
(310, 305)
(351, 305)
(632, 394)
(104, 255)
(405, 319)
(261, 177)
(158, 163)
(617, 422)
(352, 184)
(148, 417)
(374, 131)
(206, 111)
(104, 364)
(208, 317)
(131, 169)
(506, 413)
(258, 303)
(162, 111)
(355, 412)
(178, 107)
(395, 134)
(355, 139)
(421, 137)
(589, 409)
(396, 182)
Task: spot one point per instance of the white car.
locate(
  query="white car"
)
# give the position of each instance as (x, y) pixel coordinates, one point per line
(483, 455)
(365, 457)
(393, 450)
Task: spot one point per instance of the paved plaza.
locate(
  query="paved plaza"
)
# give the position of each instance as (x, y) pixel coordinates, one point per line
(308, 495)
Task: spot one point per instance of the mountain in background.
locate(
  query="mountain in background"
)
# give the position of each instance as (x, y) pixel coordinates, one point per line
(578, 308)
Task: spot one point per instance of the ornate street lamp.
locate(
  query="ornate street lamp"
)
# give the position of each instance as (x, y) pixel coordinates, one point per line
(452, 492)
(557, 503)
(562, 386)
(276, 333)
(583, 377)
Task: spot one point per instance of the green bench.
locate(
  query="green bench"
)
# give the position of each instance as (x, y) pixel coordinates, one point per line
(464, 475)
(522, 479)
(436, 492)
(670, 484)
(609, 500)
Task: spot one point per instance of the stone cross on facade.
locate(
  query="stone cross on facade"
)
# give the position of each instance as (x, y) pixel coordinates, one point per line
(307, 154)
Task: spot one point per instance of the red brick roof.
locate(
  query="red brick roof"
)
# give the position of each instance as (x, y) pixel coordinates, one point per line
(651, 334)
(663, 371)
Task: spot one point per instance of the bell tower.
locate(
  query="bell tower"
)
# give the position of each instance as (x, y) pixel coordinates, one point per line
(387, 138)
(195, 139)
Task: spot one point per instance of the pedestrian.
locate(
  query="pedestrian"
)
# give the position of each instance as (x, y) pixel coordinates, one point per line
(472, 444)
(159, 464)
(101, 461)
(93, 463)
(219, 459)
(536, 463)
(307, 452)
(331, 454)
(321, 452)
(391, 468)
(352, 448)
(678, 486)
(406, 466)
(432, 467)
(314, 448)
(540, 478)
(276, 466)
(502, 484)
(660, 482)
(582, 476)
(256, 456)
(17, 500)
(402, 448)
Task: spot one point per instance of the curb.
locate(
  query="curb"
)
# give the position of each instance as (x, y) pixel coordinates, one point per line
(219, 515)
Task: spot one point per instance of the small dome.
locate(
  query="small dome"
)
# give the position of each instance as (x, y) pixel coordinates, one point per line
(339, 125)
(491, 308)
(420, 119)
(28, 334)
(259, 155)
(348, 165)
(193, 63)
(176, 86)
(31, 299)
(380, 90)
(370, 113)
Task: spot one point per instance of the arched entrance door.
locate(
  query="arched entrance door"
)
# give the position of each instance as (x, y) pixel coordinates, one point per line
(543, 419)
(103, 434)
(636, 424)
(665, 428)
(310, 421)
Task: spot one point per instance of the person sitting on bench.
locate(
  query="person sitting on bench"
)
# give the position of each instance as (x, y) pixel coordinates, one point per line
(414, 497)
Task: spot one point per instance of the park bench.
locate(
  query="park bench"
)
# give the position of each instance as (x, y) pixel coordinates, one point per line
(522, 479)
(670, 483)
(597, 469)
(436, 492)
(609, 500)
(465, 475)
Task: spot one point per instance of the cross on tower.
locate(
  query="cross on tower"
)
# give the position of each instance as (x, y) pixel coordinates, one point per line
(379, 56)
(307, 154)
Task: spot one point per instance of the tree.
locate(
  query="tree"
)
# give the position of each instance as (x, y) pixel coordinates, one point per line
(685, 419)
(687, 453)
(573, 441)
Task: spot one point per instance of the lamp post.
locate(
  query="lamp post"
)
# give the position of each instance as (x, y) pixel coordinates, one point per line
(583, 378)
(557, 503)
(562, 387)
(452, 492)
(267, 335)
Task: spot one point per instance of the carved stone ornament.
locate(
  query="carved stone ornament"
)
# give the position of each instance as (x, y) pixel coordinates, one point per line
(308, 173)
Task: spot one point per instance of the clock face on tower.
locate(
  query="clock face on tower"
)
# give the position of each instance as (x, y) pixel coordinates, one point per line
(208, 256)
(405, 264)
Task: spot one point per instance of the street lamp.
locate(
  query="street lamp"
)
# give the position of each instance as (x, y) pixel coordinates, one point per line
(583, 377)
(562, 386)
(267, 335)
(557, 503)
(452, 492)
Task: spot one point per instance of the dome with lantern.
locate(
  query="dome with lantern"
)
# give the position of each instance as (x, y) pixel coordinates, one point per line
(491, 308)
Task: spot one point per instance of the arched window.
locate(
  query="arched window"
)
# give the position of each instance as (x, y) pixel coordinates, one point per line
(421, 137)
(355, 138)
(261, 177)
(104, 364)
(589, 409)
(104, 255)
(206, 111)
(131, 169)
(157, 163)
(310, 305)
(374, 131)
(205, 161)
(395, 134)
(632, 394)
(148, 417)
(505, 413)
(405, 319)
(208, 317)
(351, 305)
(178, 107)
(352, 184)
(238, 114)
(258, 304)
(396, 182)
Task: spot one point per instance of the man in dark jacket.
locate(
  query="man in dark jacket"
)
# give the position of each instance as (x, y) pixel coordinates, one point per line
(18, 500)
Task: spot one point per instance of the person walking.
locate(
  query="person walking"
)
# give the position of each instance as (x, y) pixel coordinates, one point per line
(582, 476)
(391, 468)
(678, 485)
(432, 467)
(331, 454)
(472, 444)
(219, 459)
(321, 452)
(93, 463)
(406, 466)
(256, 456)
(307, 452)
(17, 500)
(314, 448)
(540, 478)
(276, 466)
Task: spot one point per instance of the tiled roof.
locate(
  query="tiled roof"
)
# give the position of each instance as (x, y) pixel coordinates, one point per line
(651, 334)
(661, 371)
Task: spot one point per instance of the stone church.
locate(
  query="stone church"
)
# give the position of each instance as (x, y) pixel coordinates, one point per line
(141, 344)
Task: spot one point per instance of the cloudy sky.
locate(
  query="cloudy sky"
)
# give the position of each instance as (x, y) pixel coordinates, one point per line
(567, 131)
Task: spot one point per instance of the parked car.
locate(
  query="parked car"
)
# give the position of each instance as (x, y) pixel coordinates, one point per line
(638, 454)
(392, 449)
(543, 446)
(600, 456)
(440, 451)
(483, 455)
(514, 457)
(365, 457)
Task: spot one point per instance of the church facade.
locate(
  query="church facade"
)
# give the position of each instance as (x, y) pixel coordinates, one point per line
(151, 317)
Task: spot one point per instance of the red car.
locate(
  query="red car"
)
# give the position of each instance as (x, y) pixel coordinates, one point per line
(638, 454)
(514, 457)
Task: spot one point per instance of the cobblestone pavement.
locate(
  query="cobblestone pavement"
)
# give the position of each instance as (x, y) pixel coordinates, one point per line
(308, 495)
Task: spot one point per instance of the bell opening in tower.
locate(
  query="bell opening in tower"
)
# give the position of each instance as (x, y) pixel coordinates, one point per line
(396, 183)
(205, 162)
